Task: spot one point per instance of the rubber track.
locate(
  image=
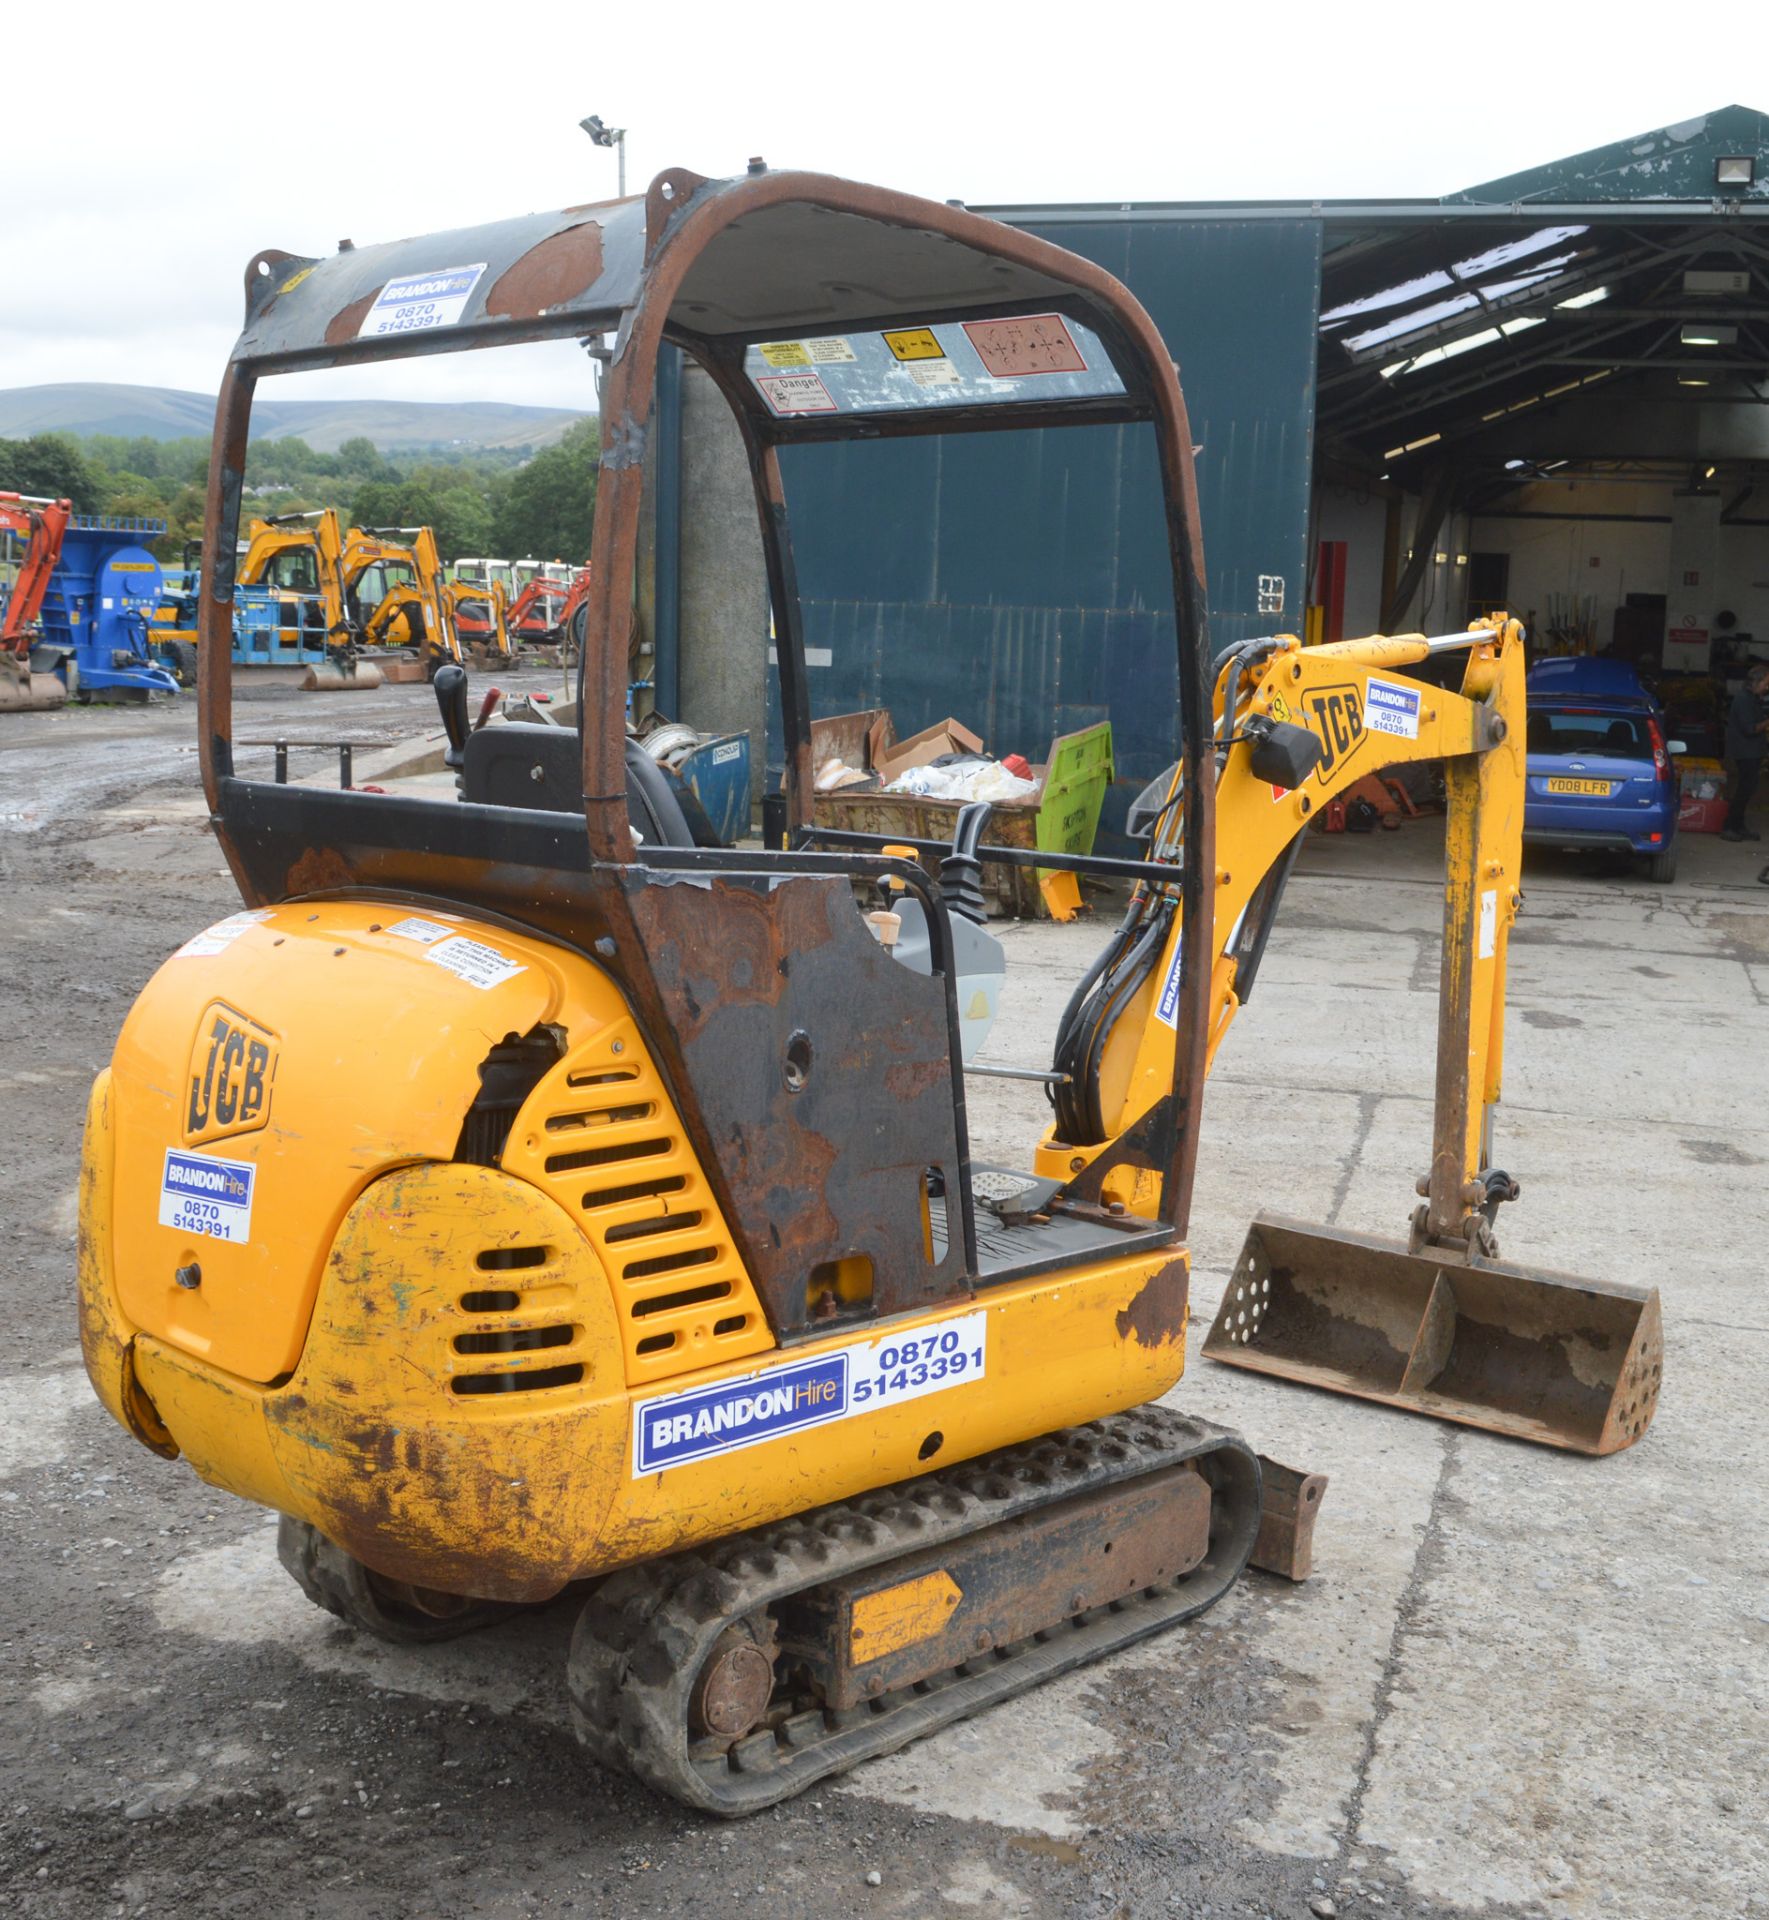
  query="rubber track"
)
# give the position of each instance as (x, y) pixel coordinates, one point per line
(331, 1579)
(644, 1634)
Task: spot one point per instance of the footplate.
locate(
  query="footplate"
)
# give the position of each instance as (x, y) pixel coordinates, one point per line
(888, 1617)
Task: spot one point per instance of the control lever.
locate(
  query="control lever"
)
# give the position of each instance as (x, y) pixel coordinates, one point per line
(451, 697)
(961, 872)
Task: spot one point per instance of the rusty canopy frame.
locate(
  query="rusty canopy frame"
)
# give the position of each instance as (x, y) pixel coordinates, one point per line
(712, 267)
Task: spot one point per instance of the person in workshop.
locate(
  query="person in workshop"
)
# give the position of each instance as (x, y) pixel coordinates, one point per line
(1747, 739)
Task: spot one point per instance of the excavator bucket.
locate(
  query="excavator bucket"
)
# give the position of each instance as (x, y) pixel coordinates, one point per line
(1538, 1355)
(328, 677)
(22, 691)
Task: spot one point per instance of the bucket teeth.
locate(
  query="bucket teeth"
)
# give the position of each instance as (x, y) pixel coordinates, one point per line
(1540, 1356)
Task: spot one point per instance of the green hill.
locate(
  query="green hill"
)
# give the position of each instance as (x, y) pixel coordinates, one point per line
(165, 413)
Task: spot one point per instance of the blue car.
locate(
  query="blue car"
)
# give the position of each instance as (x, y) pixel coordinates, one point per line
(1601, 773)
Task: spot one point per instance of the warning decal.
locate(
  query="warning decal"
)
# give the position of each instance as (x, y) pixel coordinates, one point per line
(795, 393)
(1032, 343)
(914, 343)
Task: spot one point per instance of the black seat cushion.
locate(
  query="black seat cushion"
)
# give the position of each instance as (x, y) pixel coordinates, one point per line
(529, 764)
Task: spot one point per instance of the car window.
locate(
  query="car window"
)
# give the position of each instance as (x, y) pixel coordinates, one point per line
(1615, 736)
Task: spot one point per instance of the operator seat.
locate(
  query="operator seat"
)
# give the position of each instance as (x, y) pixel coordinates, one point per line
(530, 764)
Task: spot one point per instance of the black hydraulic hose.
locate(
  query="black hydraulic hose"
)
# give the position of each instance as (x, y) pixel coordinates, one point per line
(1079, 1117)
(1121, 993)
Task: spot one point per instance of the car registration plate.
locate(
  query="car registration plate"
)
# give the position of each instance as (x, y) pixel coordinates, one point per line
(1564, 785)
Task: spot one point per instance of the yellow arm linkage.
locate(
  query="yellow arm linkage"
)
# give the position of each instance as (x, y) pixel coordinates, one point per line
(1367, 714)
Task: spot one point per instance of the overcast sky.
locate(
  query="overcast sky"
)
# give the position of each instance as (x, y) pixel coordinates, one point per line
(149, 152)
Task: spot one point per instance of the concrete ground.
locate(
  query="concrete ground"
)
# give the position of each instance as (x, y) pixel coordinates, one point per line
(1520, 1684)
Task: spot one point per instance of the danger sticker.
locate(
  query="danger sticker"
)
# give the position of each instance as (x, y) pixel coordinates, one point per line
(416, 301)
(915, 343)
(207, 1197)
(1391, 709)
(474, 962)
(1032, 343)
(788, 393)
(676, 1429)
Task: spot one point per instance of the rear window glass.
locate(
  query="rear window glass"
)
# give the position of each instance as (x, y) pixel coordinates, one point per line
(1613, 736)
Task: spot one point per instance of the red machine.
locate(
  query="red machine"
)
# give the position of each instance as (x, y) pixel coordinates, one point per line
(542, 611)
(41, 525)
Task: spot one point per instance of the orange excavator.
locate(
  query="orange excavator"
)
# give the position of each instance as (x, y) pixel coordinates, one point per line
(40, 524)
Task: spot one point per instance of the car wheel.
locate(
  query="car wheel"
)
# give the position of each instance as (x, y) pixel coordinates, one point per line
(1661, 868)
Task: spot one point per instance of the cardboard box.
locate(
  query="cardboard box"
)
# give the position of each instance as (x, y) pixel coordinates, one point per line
(920, 749)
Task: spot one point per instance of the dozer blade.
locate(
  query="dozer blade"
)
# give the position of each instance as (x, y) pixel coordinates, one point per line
(31, 692)
(364, 677)
(1542, 1356)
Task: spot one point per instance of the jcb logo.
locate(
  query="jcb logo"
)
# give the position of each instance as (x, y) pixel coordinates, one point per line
(231, 1070)
(1337, 715)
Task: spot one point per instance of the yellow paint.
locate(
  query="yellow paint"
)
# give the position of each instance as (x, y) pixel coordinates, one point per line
(899, 1616)
(512, 1495)
(380, 1053)
(1062, 894)
(1325, 688)
(645, 1206)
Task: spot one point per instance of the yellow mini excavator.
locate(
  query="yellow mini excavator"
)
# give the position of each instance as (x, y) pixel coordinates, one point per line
(299, 558)
(397, 594)
(515, 1193)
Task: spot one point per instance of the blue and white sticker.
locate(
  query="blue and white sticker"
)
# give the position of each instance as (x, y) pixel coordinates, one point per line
(207, 1197)
(1167, 1006)
(675, 1429)
(416, 301)
(1391, 709)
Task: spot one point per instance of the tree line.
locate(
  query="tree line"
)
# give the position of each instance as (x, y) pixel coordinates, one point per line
(516, 503)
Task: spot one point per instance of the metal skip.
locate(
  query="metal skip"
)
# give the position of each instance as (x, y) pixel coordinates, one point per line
(1542, 1356)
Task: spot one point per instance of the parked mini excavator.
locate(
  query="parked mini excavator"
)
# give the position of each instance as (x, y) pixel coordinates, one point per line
(409, 607)
(515, 1194)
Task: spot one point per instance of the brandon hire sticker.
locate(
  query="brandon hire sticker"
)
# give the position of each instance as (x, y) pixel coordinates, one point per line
(674, 1429)
(418, 300)
(1391, 709)
(208, 1197)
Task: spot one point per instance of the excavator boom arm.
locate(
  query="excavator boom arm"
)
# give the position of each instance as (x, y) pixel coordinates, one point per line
(41, 524)
(1361, 712)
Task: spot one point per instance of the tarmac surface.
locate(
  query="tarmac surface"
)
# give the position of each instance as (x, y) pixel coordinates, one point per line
(1520, 1684)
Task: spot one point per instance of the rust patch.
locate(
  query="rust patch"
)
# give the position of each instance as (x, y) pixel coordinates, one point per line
(341, 329)
(319, 870)
(552, 274)
(1156, 1317)
(911, 1080)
